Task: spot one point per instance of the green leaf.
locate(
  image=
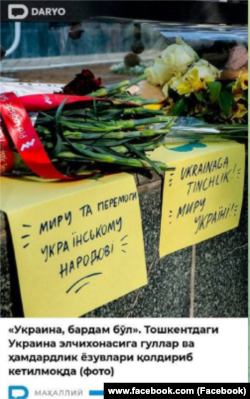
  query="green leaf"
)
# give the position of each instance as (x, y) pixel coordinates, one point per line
(226, 101)
(142, 156)
(231, 85)
(215, 90)
(200, 97)
(59, 143)
(95, 108)
(59, 110)
(179, 107)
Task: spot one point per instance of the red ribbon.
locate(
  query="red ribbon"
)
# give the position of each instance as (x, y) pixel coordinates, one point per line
(43, 102)
(6, 153)
(24, 136)
(26, 139)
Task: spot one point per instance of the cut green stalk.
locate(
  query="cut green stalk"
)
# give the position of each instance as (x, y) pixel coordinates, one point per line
(114, 135)
(140, 110)
(135, 163)
(118, 133)
(140, 154)
(108, 90)
(146, 101)
(94, 126)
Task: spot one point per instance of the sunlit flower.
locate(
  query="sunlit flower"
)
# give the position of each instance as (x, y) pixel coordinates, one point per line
(205, 70)
(241, 85)
(191, 83)
(194, 80)
(172, 83)
(158, 74)
(239, 111)
(242, 82)
(178, 57)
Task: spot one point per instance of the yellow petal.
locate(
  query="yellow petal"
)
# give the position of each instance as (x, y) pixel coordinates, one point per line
(154, 107)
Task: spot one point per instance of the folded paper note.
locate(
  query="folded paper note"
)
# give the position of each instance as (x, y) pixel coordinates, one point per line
(78, 245)
(203, 196)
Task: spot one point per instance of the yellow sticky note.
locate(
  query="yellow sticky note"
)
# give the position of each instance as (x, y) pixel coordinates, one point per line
(203, 196)
(78, 245)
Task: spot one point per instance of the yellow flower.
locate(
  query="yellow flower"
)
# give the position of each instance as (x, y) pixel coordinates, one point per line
(206, 71)
(240, 86)
(241, 82)
(191, 83)
(244, 82)
(194, 80)
(238, 95)
(239, 110)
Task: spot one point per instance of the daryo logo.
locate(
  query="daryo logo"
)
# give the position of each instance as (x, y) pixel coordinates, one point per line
(20, 11)
(18, 392)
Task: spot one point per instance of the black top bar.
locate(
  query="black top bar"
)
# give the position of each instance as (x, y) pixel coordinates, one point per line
(180, 11)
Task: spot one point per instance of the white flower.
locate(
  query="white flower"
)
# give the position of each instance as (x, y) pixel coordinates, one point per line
(194, 79)
(158, 74)
(205, 70)
(173, 83)
(178, 57)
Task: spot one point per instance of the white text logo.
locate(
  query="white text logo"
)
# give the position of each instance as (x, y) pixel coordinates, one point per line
(20, 11)
(17, 11)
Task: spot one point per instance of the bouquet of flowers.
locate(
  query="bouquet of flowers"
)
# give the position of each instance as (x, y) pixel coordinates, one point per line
(193, 87)
(108, 130)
